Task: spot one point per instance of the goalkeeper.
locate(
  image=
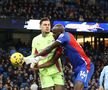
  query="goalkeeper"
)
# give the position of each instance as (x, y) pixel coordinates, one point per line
(50, 77)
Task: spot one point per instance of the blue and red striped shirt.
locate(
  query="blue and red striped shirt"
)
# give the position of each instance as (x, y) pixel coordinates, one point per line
(73, 50)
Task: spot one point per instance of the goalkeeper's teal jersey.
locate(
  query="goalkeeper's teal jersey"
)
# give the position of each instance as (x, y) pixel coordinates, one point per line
(38, 44)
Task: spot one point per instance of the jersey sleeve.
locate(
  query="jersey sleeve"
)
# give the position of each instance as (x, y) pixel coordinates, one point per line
(62, 38)
(101, 77)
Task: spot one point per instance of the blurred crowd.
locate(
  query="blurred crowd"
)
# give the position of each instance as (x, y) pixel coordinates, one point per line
(15, 78)
(22, 78)
(76, 10)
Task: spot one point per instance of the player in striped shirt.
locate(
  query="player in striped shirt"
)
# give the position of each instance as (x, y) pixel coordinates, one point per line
(82, 65)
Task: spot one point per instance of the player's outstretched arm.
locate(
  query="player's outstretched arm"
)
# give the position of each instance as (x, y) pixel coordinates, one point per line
(53, 60)
(33, 61)
(49, 48)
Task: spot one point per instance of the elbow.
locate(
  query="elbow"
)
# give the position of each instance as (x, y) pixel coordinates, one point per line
(48, 50)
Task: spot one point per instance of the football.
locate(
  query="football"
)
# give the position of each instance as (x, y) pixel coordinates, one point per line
(17, 59)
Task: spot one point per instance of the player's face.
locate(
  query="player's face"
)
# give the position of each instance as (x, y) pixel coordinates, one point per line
(56, 33)
(45, 26)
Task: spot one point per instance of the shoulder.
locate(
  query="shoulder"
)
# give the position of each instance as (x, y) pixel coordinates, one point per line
(106, 67)
(61, 35)
(64, 35)
(37, 37)
(51, 34)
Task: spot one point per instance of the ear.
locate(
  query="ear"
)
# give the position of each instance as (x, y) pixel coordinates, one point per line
(61, 32)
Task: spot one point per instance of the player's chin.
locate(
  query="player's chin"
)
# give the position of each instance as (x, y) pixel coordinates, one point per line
(47, 31)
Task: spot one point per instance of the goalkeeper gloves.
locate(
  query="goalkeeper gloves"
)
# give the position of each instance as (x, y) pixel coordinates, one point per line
(32, 61)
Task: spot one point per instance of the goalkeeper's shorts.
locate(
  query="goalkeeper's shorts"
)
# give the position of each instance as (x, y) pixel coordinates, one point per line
(51, 80)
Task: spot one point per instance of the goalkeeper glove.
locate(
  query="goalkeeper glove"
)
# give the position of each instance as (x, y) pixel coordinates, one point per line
(32, 61)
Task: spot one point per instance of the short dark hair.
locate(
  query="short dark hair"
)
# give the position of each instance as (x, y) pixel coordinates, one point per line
(44, 19)
(58, 26)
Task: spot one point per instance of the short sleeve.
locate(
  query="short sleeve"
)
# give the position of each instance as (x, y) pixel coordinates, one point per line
(62, 38)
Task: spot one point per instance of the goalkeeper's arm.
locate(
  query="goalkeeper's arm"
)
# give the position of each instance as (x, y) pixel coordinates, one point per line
(31, 58)
(53, 60)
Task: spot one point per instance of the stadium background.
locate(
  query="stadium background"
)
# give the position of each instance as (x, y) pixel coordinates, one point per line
(14, 37)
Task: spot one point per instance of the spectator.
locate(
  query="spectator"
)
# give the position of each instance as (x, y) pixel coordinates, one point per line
(104, 78)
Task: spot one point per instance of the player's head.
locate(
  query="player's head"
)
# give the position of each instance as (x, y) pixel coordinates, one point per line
(45, 25)
(57, 30)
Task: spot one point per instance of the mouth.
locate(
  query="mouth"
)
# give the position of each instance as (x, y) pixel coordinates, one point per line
(47, 30)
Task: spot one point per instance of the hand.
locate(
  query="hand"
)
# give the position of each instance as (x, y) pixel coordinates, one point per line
(29, 60)
(38, 58)
(101, 88)
(34, 61)
(35, 67)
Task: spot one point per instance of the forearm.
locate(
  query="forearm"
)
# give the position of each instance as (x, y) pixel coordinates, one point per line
(44, 52)
(47, 64)
(49, 49)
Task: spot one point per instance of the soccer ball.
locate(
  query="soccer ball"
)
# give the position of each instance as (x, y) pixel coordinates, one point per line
(17, 59)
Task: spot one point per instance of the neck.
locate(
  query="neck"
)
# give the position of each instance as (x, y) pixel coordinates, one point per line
(44, 34)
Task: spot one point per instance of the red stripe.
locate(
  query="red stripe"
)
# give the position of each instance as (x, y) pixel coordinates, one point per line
(58, 53)
(36, 51)
(80, 50)
(58, 66)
